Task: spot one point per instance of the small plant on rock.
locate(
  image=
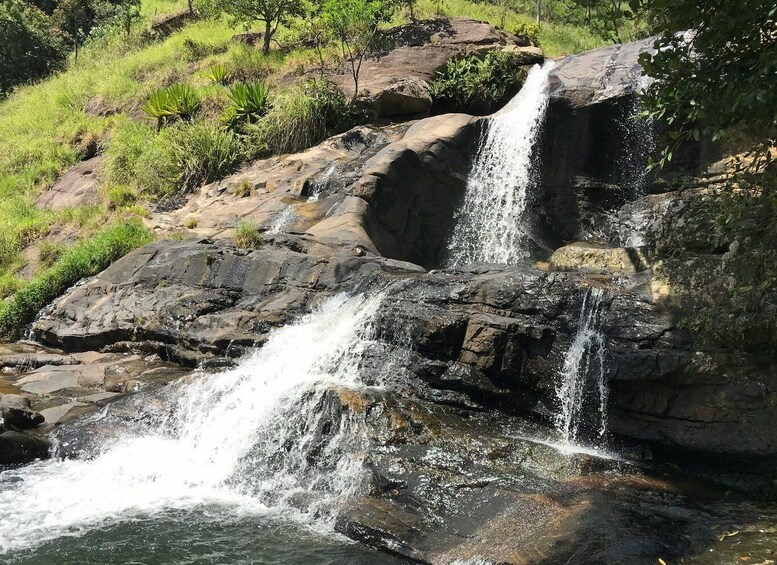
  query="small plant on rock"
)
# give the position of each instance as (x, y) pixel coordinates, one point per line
(243, 189)
(247, 234)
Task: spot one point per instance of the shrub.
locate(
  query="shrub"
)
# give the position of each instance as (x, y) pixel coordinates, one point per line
(530, 30)
(300, 118)
(121, 196)
(9, 284)
(191, 223)
(85, 259)
(179, 101)
(478, 84)
(50, 252)
(138, 158)
(247, 234)
(249, 103)
(205, 152)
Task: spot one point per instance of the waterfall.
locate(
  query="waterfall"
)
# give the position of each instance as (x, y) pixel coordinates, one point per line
(283, 220)
(638, 144)
(489, 225)
(248, 439)
(584, 370)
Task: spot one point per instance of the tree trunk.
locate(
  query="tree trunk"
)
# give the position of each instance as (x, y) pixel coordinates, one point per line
(267, 36)
(191, 6)
(539, 10)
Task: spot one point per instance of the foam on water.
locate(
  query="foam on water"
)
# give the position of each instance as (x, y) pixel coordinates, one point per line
(240, 438)
(583, 374)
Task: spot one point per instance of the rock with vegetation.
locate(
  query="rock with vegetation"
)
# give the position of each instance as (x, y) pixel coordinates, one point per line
(398, 82)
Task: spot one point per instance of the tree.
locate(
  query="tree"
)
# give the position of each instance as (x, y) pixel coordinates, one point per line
(75, 18)
(272, 13)
(717, 80)
(29, 49)
(353, 24)
(126, 13)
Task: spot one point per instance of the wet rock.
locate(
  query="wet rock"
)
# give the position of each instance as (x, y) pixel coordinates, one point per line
(213, 296)
(17, 448)
(16, 412)
(601, 74)
(58, 414)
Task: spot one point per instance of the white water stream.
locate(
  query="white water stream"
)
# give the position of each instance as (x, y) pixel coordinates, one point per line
(584, 369)
(489, 225)
(241, 438)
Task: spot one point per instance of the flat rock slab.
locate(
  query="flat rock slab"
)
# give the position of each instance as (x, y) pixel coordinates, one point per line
(58, 414)
(594, 259)
(80, 186)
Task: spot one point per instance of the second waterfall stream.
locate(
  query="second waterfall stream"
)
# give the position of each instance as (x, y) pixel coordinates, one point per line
(490, 223)
(239, 439)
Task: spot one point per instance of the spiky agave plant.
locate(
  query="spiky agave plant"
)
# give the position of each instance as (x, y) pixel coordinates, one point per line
(179, 101)
(250, 101)
(218, 73)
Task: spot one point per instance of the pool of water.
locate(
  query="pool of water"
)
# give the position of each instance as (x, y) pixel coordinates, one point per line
(203, 536)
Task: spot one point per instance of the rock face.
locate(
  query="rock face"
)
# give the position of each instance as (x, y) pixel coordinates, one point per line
(396, 82)
(199, 293)
(476, 354)
(78, 187)
(604, 74)
(392, 191)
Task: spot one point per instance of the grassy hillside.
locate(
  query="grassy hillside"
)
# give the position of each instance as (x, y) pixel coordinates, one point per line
(45, 129)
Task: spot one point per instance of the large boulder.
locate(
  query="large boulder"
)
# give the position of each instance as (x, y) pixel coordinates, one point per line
(17, 448)
(388, 190)
(601, 74)
(16, 412)
(396, 82)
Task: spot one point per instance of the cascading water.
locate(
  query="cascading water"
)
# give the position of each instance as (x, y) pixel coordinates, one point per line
(582, 383)
(489, 225)
(639, 143)
(283, 220)
(241, 439)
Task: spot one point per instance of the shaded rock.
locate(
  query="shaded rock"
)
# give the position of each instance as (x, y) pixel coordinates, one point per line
(170, 23)
(589, 258)
(16, 412)
(17, 448)
(77, 187)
